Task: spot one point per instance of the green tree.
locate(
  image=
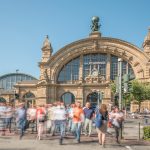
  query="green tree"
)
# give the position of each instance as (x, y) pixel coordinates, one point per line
(138, 92)
(147, 92)
(113, 87)
(127, 98)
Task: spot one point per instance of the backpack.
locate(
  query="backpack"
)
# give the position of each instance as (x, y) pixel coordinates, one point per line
(98, 120)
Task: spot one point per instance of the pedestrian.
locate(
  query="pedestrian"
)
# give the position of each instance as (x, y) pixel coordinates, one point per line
(21, 118)
(53, 124)
(102, 129)
(8, 117)
(31, 117)
(41, 116)
(49, 117)
(89, 114)
(70, 116)
(60, 120)
(117, 121)
(2, 118)
(78, 119)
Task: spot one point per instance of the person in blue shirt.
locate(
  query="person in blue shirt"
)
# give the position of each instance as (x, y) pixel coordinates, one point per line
(21, 118)
(89, 114)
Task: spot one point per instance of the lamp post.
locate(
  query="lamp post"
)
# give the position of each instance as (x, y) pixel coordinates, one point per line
(120, 81)
(98, 99)
(1, 90)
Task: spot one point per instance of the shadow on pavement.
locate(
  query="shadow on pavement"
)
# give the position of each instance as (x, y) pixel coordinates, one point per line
(5, 137)
(15, 149)
(132, 142)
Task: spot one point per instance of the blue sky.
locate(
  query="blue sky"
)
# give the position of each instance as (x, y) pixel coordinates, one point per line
(24, 24)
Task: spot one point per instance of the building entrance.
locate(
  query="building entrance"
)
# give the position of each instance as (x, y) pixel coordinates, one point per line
(29, 99)
(93, 99)
(68, 98)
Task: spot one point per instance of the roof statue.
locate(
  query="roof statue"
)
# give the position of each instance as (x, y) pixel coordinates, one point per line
(46, 43)
(95, 24)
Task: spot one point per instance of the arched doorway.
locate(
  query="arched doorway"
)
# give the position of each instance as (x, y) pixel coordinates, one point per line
(68, 98)
(29, 99)
(2, 100)
(93, 99)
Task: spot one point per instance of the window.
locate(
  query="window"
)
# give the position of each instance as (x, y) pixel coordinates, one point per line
(68, 98)
(97, 61)
(70, 72)
(126, 68)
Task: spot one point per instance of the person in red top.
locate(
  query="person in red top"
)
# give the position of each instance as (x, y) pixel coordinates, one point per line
(78, 118)
(41, 114)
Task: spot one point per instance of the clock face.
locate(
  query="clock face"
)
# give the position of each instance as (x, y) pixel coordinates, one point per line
(95, 73)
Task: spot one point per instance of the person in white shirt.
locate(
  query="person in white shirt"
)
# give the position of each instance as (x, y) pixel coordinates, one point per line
(2, 117)
(118, 118)
(70, 116)
(49, 117)
(8, 117)
(60, 115)
(53, 126)
(31, 116)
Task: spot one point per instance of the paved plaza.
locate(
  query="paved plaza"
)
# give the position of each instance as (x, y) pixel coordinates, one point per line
(130, 140)
(29, 142)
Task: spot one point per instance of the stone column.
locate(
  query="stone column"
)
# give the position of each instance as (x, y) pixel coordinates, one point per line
(41, 95)
(81, 69)
(108, 65)
(79, 96)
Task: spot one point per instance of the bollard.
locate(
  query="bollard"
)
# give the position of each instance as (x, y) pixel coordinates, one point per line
(121, 132)
(146, 120)
(139, 130)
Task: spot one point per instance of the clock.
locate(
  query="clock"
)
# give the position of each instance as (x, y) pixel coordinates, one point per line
(94, 73)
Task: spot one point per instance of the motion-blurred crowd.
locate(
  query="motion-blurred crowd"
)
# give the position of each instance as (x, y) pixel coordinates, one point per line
(59, 119)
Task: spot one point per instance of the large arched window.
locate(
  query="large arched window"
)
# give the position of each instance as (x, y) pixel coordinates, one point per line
(68, 98)
(70, 72)
(91, 62)
(126, 67)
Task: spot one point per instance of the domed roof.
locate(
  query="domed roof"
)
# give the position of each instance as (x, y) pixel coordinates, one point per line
(7, 81)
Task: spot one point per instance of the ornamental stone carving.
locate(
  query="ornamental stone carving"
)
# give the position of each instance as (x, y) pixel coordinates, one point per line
(97, 79)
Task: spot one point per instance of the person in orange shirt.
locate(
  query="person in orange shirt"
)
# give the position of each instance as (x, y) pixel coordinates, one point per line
(78, 118)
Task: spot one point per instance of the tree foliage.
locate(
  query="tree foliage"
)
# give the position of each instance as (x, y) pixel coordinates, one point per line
(113, 87)
(140, 92)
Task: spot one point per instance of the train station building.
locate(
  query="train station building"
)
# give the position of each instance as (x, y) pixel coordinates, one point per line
(84, 69)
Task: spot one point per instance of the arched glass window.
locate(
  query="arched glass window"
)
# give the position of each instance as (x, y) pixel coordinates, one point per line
(68, 98)
(29, 95)
(126, 67)
(97, 61)
(29, 99)
(70, 72)
(93, 99)
(2, 100)
(91, 62)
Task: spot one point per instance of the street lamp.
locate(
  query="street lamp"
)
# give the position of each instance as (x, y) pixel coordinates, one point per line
(120, 81)
(98, 99)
